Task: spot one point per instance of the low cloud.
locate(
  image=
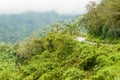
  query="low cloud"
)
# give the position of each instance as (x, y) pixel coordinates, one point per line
(60, 6)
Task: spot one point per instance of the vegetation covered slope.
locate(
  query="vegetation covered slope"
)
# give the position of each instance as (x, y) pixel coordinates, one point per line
(103, 20)
(16, 27)
(60, 57)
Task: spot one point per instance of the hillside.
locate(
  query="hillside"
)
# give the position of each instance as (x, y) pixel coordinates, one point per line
(59, 57)
(16, 27)
(85, 49)
(102, 21)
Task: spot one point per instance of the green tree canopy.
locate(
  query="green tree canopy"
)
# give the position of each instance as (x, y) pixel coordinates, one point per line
(103, 20)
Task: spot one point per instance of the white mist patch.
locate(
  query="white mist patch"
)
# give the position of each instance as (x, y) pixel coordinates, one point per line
(60, 6)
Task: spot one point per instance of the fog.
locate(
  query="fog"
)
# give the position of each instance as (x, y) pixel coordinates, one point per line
(60, 6)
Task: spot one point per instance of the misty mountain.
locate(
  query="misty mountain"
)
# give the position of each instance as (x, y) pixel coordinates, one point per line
(16, 27)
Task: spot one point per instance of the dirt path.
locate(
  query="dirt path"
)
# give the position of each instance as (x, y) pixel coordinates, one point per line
(83, 39)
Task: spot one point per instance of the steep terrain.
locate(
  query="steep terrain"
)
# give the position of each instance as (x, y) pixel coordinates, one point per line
(60, 54)
(59, 57)
(16, 27)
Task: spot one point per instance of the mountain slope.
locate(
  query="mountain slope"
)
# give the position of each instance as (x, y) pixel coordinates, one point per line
(16, 27)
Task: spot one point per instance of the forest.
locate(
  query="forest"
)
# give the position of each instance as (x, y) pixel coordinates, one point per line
(55, 53)
(16, 27)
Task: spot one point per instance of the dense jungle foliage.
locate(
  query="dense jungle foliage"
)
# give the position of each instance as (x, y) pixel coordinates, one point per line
(58, 55)
(103, 20)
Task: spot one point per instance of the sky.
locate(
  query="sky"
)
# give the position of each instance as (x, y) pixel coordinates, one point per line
(60, 6)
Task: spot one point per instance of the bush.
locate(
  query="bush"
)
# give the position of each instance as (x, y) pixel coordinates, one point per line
(72, 74)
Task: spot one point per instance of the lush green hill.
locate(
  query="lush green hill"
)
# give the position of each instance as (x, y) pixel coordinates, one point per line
(103, 20)
(59, 57)
(16, 27)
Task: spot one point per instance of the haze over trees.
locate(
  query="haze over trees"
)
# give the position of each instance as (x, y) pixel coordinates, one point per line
(54, 53)
(16, 27)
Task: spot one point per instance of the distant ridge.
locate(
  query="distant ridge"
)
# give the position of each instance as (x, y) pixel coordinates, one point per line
(15, 27)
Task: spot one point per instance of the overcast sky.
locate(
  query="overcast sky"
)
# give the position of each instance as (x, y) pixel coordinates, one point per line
(60, 6)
